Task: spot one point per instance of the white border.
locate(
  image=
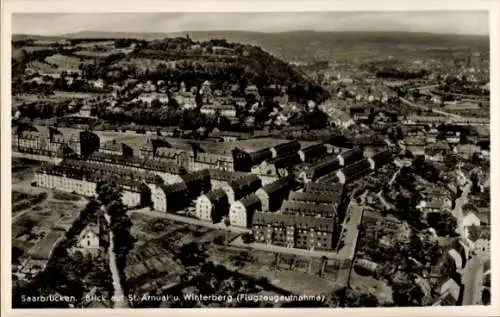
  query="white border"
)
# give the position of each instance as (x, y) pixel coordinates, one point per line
(89, 6)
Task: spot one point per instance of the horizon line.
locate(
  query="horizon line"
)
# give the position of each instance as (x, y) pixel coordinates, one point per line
(248, 31)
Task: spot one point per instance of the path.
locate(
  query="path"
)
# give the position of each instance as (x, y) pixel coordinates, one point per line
(191, 221)
(118, 298)
(275, 248)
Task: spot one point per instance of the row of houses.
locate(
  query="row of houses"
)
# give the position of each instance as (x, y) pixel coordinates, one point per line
(438, 120)
(279, 160)
(273, 162)
(82, 181)
(30, 139)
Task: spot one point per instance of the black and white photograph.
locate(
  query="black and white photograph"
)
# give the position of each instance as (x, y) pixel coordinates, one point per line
(326, 159)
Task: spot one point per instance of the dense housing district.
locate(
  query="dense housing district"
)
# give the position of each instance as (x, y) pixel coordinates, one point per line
(157, 178)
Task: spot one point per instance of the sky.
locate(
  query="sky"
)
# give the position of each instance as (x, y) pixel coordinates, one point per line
(450, 22)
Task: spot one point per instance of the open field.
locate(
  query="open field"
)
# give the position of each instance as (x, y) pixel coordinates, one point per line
(174, 235)
(90, 53)
(63, 62)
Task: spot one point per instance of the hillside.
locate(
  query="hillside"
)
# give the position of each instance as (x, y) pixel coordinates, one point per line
(174, 60)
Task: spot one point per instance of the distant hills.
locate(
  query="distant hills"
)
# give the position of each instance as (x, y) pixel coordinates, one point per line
(300, 44)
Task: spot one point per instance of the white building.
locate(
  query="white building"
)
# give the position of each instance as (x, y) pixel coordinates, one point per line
(150, 97)
(228, 111)
(88, 241)
(210, 204)
(241, 211)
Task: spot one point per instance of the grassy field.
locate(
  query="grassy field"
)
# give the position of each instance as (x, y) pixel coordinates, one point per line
(63, 62)
(90, 53)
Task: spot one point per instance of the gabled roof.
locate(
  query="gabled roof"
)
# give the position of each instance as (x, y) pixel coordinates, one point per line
(287, 160)
(90, 228)
(251, 202)
(168, 152)
(313, 198)
(260, 156)
(326, 188)
(196, 176)
(249, 180)
(292, 146)
(291, 206)
(352, 156)
(174, 188)
(226, 176)
(382, 158)
(353, 169)
(283, 183)
(216, 195)
(314, 150)
(323, 167)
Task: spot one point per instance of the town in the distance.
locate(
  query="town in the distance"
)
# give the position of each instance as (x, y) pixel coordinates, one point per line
(306, 169)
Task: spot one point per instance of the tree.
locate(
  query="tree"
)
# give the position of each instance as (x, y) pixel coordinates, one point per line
(107, 191)
(227, 223)
(443, 222)
(348, 297)
(407, 293)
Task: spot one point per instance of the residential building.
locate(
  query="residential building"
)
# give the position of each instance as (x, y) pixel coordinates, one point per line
(186, 100)
(315, 198)
(198, 183)
(354, 171)
(303, 208)
(380, 159)
(148, 98)
(116, 148)
(88, 242)
(242, 187)
(244, 161)
(285, 148)
(470, 219)
(323, 167)
(212, 206)
(170, 173)
(228, 111)
(204, 160)
(435, 204)
(182, 158)
(149, 148)
(279, 166)
(273, 194)
(241, 212)
(313, 152)
(84, 182)
(326, 189)
(169, 198)
(293, 231)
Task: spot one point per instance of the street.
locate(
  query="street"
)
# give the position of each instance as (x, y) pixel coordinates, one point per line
(409, 103)
(472, 274)
(472, 279)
